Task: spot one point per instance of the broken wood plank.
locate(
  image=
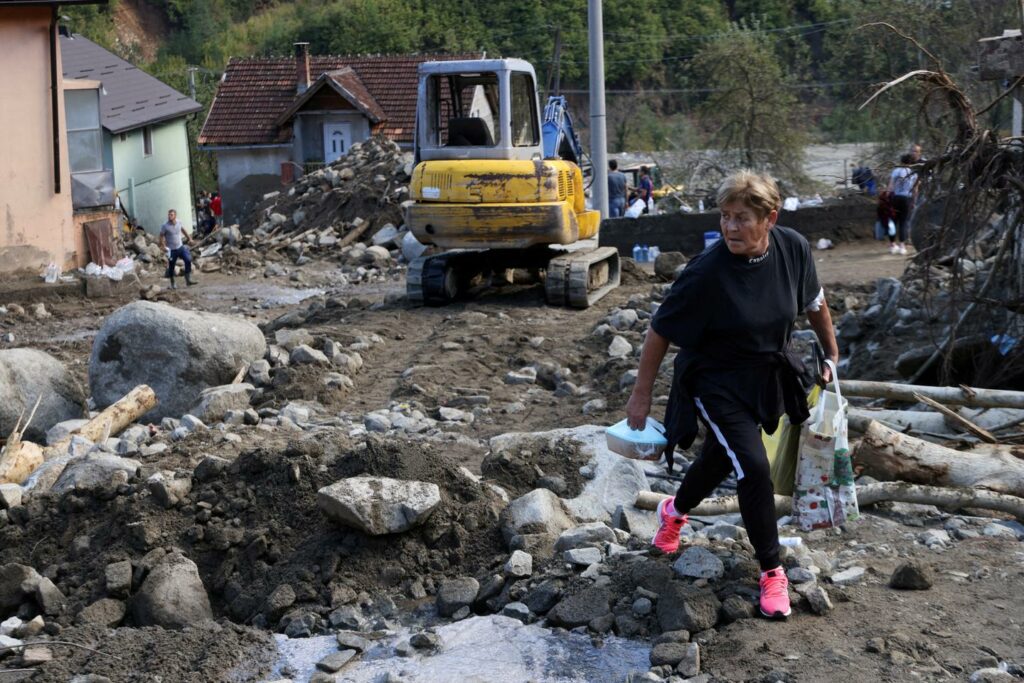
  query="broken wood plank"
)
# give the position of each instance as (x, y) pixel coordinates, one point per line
(113, 420)
(887, 454)
(977, 398)
(18, 461)
(958, 419)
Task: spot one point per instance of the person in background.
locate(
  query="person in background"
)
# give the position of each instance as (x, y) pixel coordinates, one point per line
(216, 210)
(864, 178)
(616, 191)
(884, 214)
(172, 238)
(903, 186)
(916, 154)
(645, 188)
(731, 313)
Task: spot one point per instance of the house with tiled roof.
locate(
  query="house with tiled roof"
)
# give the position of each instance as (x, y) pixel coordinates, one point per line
(139, 138)
(274, 119)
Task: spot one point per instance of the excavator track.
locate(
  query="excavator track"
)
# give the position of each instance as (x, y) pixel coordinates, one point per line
(581, 278)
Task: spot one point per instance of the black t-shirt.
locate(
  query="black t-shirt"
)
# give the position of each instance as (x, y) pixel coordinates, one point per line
(727, 312)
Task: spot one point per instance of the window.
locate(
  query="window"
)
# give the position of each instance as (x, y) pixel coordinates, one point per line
(462, 111)
(147, 141)
(85, 137)
(122, 137)
(525, 132)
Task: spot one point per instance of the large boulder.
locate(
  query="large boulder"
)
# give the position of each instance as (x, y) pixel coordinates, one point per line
(27, 374)
(178, 353)
(539, 513)
(379, 505)
(172, 596)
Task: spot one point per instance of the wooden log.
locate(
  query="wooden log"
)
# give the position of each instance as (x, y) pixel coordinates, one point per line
(18, 461)
(353, 235)
(724, 505)
(113, 420)
(889, 455)
(978, 398)
(958, 420)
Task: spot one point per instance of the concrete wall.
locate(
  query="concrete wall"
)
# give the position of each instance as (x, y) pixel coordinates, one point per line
(852, 218)
(36, 226)
(150, 185)
(245, 175)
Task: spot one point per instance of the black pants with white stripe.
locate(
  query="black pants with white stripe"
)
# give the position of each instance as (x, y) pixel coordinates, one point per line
(733, 442)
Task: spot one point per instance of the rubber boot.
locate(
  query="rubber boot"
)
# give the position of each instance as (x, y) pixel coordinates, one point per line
(189, 281)
(173, 286)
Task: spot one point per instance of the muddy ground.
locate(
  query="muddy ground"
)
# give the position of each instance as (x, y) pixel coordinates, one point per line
(459, 357)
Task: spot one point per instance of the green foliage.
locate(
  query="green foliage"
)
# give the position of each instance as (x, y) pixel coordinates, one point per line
(751, 109)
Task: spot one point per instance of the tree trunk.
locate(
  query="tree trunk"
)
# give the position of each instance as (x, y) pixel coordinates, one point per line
(724, 505)
(113, 420)
(887, 454)
(18, 461)
(978, 398)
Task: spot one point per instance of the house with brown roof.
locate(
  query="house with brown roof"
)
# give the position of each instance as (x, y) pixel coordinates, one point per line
(274, 119)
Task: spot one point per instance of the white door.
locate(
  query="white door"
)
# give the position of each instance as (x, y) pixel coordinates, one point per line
(337, 140)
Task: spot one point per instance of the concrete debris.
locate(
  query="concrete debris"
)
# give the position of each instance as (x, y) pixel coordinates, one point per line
(379, 505)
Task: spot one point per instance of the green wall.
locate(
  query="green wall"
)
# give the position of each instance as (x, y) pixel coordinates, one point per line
(150, 185)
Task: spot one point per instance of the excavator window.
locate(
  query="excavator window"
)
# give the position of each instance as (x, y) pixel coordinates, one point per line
(462, 110)
(525, 132)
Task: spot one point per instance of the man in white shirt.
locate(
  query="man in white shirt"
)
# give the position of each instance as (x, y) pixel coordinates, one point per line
(172, 236)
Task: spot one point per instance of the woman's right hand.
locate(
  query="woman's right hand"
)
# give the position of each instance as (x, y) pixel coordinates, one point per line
(638, 407)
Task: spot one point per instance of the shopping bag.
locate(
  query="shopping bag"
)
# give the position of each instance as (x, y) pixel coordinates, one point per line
(824, 492)
(783, 449)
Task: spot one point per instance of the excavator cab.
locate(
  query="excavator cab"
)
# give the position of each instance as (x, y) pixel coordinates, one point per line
(484, 190)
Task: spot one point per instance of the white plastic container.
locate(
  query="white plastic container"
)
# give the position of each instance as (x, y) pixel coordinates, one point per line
(637, 444)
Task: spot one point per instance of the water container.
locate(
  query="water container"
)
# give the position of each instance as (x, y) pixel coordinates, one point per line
(655, 252)
(636, 253)
(711, 237)
(639, 444)
(700, 205)
(645, 254)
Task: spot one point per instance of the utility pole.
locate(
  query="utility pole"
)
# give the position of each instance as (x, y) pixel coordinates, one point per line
(192, 82)
(555, 75)
(598, 132)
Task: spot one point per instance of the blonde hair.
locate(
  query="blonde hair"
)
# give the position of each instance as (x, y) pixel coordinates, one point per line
(759, 192)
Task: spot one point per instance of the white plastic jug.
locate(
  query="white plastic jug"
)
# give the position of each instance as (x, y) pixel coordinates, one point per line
(638, 444)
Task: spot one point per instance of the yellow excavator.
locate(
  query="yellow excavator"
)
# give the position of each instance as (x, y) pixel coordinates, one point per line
(498, 186)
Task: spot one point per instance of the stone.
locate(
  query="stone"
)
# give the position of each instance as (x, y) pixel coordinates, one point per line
(735, 608)
(816, 596)
(118, 578)
(376, 256)
(64, 429)
(48, 596)
(538, 512)
(524, 376)
(590, 534)
(296, 413)
(667, 263)
(36, 655)
(96, 472)
(628, 379)
(992, 675)
(27, 375)
(519, 566)
(623, 319)
(10, 626)
(848, 577)
(259, 373)
(670, 653)
(642, 607)
(583, 557)
(911, 576)
(517, 611)
(169, 489)
(347, 617)
(379, 505)
(375, 422)
(348, 640)
(335, 661)
(800, 575)
(619, 347)
(31, 628)
(196, 351)
(934, 537)
(172, 596)
(306, 355)
(543, 597)
(699, 563)
(216, 402)
(580, 609)
(682, 607)
(454, 594)
(210, 468)
(425, 640)
(595, 405)
(385, 236)
(689, 665)
(996, 530)
(289, 338)
(105, 612)
(278, 602)
(455, 415)
(10, 496)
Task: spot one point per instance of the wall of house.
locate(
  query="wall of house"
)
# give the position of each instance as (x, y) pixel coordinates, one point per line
(36, 225)
(245, 175)
(150, 185)
(311, 132)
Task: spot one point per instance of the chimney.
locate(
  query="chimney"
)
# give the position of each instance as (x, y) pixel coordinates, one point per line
(301, 67)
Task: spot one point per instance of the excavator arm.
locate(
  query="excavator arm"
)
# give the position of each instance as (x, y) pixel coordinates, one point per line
(559, 136)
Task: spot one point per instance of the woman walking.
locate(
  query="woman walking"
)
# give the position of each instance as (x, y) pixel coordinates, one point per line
(903, 186)
(731, 313)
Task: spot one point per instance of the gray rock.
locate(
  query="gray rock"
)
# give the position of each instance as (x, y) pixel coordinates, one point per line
(623, 319)
(172, 596)
(619, 347)
(518, 611)
(118, 578)
(642, 607)
(524, 376)
(935, 537)
(538, 512)
(425, 640)
(669, 654)
(96, 472)
(996, 530)
(590, 534)
(699, 563)
(725, 531)
(911, 576)
(379, 505)
(259, 373)
(583, 557)
(335, 661)
(667, 263)
(848, 576)
(689, 665)
(210, 468)
(64, 429)
(347, 617)
(25, 376)
(105, 612)
(215, 402)
(10, 496)
(735, 608)
(305, 355)
(454, 594)
(685, 608)
(992, 675)
(349, 640)
(595, 405)
(816, 596)
(543, 597)
(800, 575)
(169, 489)
(49, 597)
(582, 608)
(193, 350)
(193, 423)
(375, 422)
(296, 413)
(519, 566)
(288, 339)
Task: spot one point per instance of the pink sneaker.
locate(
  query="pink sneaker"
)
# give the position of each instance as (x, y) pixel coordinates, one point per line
(667, 538)
(775, 594)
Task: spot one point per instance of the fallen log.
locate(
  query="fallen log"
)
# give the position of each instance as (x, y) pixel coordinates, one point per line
(977, 398)
(887, 454)
(956, 419)
(19, 458)
(869, 494)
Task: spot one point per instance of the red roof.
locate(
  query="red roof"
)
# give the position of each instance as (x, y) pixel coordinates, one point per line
(255, 92)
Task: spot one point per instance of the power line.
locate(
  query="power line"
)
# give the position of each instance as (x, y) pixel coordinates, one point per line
(667, 91)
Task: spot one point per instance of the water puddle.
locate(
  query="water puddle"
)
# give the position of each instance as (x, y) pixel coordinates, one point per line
(266, 294)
